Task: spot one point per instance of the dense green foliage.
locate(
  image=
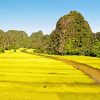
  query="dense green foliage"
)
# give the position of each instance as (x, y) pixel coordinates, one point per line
(36, 40)
(97, 35)
(13, 39)
(96, 46)
(72, 36)
(2, 41)
(39, 42)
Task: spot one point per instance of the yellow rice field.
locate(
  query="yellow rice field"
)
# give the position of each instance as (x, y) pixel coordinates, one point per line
(31, 77)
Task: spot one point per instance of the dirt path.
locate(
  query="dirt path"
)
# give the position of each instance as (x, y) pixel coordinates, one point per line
(88, 70)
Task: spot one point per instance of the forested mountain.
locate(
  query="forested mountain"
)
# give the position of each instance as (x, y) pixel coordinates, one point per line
(36, 39)
(17, 39)
(72, 36)
(13, 39)
(39, 42)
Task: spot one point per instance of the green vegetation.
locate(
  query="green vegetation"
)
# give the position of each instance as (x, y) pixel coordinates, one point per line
(13, 39)
(39, 42)
(2, 41)
(96, 46)
(72, 36)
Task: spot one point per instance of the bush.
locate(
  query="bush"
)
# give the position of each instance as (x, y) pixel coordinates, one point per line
(93, 53)
(14, 50)
(87, 52)
(2, 50)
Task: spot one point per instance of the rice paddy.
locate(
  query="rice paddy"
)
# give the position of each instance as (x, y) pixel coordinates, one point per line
(32, 77)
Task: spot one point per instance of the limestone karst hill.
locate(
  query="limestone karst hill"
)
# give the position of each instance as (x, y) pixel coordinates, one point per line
(72, 35)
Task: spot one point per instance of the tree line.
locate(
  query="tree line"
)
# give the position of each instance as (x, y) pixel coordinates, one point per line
(41, 43)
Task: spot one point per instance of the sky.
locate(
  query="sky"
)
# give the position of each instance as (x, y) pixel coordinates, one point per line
(34, 15)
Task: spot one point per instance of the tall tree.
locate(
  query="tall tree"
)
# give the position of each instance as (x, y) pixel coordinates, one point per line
(2, 41)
